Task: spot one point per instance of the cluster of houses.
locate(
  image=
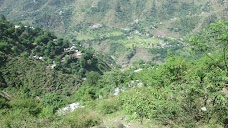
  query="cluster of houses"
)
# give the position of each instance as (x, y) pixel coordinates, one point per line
(71, 49)
(74, 53)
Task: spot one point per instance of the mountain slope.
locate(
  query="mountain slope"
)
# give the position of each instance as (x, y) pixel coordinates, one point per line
(40, 74)
(124, 25)
(67, 16)
(33, 58)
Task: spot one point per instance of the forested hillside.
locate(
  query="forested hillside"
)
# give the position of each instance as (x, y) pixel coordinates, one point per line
(36, 62)
(127, 30)
(41, 73)
(71, 15)
(113, 63)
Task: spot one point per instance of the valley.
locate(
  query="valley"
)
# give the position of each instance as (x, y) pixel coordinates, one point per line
(128, 23)
(113, 64)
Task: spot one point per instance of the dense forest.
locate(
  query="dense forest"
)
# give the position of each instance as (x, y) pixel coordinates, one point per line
(40, 74)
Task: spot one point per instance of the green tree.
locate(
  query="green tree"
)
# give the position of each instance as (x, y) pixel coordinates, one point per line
(211, 75)
(213, 41)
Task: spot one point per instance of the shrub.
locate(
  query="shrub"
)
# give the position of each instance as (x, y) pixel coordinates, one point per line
(151, 103)
(109, 106)
(82, 118)
(26, 106)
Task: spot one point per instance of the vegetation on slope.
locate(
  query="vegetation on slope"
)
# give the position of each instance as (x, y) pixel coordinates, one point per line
(72, 15)
(30, 42)
(38, 72)
(77, 20)
(185, 91)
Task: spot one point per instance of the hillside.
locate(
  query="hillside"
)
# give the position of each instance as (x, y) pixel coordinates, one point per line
(119, 24)
(46, 62)
(188, 90)
(113, 64)
(35, 65)
(68, 16)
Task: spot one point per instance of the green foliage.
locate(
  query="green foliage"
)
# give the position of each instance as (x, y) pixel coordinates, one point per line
(212, 42)
(185, 25)
(92, 78)
(182, 91)
(34, 76)
(97, 86)
(89, 88)
(85, 93)
(3, 46)
(19, 107)
(108, 106)
(151, 104)
(28, 41)
(51, 102)
(81, 118)
(180, 88)
(3, 103)
(26, 105)
(208, 81)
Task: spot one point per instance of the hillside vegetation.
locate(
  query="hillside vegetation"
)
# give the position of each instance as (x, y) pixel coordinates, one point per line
(127, 30)
(113, 63)
(40, 74)
(71, 15)
(34, 62)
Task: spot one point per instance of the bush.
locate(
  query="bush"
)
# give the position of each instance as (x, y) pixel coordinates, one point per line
(109, 106)
(26, 106)
(151, 103)
(82, 118)
(3, 103)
